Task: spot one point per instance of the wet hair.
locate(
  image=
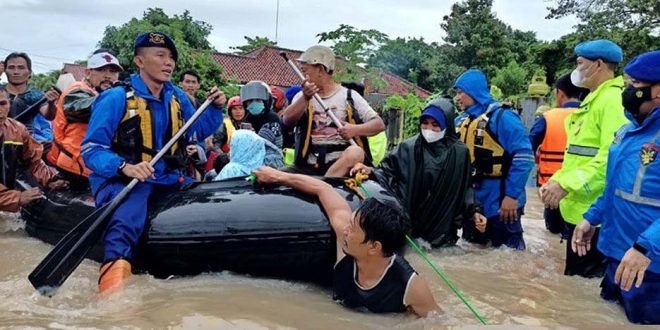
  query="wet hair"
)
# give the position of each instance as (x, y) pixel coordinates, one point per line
(191, 73)
(384, 221)
(220, 162)
(565, 85)
(20, 55)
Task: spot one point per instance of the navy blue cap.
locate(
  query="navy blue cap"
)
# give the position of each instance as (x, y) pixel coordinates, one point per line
(435, 113)
(645, 67)
(603, 49)
(155, 39)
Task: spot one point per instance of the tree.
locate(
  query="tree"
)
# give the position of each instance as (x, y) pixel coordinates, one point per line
(44, 81)
(407, 58)
(477, 38)
(512, 79)
(632, 24)
(355, 47)
(611, 14)
(253, 44)
(190, 37)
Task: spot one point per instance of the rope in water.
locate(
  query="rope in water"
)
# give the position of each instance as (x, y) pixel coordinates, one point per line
(357, 182)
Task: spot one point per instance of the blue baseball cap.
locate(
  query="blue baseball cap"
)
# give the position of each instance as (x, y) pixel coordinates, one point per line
(155, 39)
(603, 49)
(645, 67)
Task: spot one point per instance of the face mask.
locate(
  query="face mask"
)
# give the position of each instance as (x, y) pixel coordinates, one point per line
(432, 136)
(633, 97)
(577, 76)
(256, 108)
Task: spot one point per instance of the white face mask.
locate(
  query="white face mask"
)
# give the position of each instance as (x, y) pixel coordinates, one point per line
(432, 136)
(577, 76)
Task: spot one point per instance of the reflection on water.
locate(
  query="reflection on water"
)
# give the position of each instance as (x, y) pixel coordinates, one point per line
(508, 287)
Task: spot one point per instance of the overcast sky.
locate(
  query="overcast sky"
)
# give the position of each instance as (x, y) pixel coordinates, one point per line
(57, 31)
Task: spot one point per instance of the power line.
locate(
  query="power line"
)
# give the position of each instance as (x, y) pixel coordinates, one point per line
(41, 56)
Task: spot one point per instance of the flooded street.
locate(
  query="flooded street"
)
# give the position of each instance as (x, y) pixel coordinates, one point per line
(508, 287)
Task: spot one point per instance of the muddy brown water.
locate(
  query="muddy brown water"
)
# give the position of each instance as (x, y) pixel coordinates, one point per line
(510, 288)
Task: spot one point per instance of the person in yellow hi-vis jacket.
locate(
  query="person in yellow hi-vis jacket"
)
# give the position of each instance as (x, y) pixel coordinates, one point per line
(590, 131)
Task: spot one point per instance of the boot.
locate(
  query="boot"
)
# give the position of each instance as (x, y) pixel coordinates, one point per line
(112, 276)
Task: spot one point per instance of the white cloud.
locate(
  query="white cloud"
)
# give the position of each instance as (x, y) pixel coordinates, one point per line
(65, 30)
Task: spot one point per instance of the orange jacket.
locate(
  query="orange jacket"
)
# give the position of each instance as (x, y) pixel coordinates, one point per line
(19, 147)
(67, 135)
(551, 150)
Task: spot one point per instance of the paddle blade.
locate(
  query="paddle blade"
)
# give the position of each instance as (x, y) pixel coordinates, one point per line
(69, 252)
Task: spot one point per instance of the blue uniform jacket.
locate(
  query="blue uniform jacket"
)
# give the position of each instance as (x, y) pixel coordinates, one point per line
(629, 208)
(108, 110)
(511, 134)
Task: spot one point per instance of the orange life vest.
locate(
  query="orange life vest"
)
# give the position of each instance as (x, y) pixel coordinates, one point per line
(551, 151)
(67, 137)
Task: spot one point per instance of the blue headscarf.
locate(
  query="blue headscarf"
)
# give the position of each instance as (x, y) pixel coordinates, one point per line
(246, 154)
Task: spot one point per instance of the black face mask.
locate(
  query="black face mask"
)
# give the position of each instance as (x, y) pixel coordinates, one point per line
(633, 97)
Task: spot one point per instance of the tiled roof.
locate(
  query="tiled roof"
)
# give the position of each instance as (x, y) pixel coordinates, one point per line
(266, 64)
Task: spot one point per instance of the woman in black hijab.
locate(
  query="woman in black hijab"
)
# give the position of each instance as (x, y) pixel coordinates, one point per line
(430, 173)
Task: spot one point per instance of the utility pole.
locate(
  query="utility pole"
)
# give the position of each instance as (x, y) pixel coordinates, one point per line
(277, 20)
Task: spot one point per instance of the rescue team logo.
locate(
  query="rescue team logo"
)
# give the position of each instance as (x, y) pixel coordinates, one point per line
(156, 38)
(649, 153)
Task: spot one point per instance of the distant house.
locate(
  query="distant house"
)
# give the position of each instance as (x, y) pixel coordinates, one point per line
(266, 64)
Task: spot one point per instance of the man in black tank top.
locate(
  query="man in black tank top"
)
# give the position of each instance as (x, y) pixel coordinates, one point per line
(368, 274)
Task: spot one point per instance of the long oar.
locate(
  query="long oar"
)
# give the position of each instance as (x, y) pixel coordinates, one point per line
(318, 98)
(63, 82)
(69, 252)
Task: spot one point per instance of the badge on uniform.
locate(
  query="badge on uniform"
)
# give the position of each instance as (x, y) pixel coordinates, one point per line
(649, 153)
(156, 38)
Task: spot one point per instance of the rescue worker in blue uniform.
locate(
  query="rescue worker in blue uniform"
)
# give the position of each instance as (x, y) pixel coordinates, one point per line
(629, 208)
(127, 128)
(502, 157)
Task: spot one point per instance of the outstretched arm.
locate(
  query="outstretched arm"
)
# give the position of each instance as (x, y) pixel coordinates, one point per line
(338, 211)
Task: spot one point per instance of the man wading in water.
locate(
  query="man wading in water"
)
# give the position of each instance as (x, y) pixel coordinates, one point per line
(368, 274)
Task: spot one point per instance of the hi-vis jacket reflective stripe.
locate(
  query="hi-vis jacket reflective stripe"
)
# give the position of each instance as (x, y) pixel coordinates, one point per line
(551, 151)
(629, 209)
(68, 136)
(590, 131)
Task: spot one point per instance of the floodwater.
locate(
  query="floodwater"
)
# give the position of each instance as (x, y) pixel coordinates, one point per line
(510, 288)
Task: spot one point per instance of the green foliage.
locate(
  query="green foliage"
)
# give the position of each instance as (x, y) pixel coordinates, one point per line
(44, 81)
(511, 79)
(610, 14)
(355, 47)
(409, 58)
(412, 107)
(253, 44)
(477, 37)
(190, 37)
